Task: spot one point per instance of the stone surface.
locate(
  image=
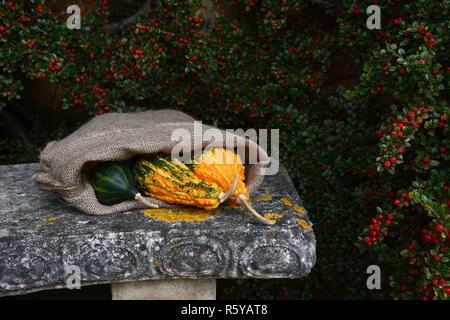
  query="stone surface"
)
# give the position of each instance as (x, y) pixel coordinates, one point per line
(40, 238)
(169, 289)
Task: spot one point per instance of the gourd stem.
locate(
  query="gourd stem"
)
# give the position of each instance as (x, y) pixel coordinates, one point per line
(141, 199)
(243, 202)
(224, 196)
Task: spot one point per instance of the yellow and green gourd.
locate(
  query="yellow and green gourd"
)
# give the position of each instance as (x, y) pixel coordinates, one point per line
(171, 181)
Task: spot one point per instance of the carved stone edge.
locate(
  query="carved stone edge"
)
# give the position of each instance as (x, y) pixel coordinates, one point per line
(110, 256)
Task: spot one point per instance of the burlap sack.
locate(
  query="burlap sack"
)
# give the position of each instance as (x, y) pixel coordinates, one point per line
(120, 136)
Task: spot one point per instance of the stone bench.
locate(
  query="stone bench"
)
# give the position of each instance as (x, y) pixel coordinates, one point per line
(143, 256)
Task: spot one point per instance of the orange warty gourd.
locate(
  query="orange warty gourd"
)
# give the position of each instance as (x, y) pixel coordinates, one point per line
(220, 166)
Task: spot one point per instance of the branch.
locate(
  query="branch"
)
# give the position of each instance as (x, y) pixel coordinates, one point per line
(116, 26)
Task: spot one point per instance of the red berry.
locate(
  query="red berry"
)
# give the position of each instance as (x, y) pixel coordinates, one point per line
(437, 258)
(439, 228)
(387, 164)
(425, 160)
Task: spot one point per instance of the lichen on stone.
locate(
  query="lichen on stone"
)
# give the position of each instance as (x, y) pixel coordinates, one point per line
(304, 224)
(50, 219)
(179, 214)
(273, 216)
(265, 197)
(287, 202)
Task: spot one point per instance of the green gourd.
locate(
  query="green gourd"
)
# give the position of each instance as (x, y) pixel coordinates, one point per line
(113, 182)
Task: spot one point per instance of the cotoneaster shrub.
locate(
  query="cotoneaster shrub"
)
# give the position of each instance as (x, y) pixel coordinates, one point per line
(363, 114)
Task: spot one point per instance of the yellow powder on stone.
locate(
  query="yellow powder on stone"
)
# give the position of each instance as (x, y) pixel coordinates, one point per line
(179, 214)
(304, 224)
(273, 216)
(50, 219)
(265, 197)
(157, 263)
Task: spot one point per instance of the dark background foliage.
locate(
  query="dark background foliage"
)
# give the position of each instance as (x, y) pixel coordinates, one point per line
(363, 114)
